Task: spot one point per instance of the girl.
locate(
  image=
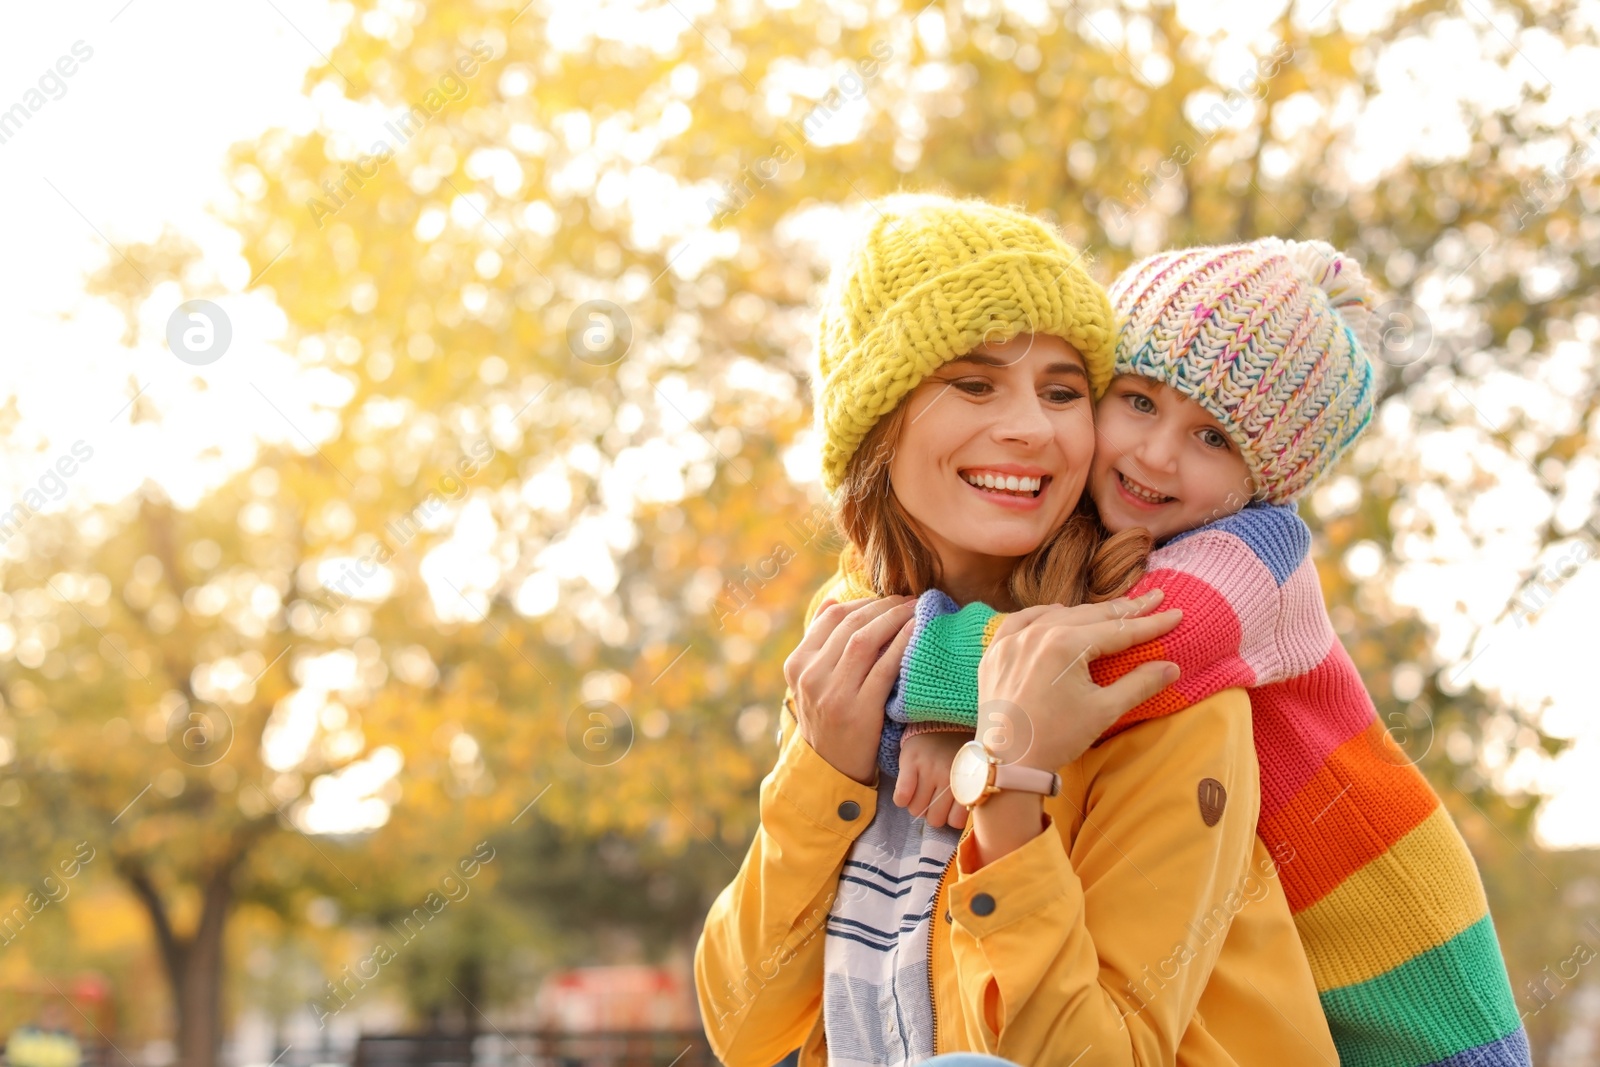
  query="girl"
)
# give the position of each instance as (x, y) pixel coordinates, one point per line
(1105, 905)
(1241, 375)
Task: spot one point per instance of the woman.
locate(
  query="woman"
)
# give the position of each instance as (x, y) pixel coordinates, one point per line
(1125, 913)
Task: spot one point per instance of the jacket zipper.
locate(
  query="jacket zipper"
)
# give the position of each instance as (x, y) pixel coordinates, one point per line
(933, 931)
(933, 928)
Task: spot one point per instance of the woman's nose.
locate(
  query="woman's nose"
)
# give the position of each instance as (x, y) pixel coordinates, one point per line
(1024, 421)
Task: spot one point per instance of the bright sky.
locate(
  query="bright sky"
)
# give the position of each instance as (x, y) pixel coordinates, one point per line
(137, 139)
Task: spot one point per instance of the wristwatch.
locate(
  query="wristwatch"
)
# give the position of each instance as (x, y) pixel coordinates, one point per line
(977, 774)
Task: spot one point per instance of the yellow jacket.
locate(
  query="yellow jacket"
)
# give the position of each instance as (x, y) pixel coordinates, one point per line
(1134, 934)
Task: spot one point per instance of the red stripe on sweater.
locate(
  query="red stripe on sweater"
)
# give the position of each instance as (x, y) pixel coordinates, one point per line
(1299, 722)
(1204, 645)
(1367, 797)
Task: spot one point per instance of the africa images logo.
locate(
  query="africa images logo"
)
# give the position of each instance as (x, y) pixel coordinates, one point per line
(452, 87)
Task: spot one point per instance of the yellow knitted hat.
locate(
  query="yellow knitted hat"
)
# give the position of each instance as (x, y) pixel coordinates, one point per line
(930, 280)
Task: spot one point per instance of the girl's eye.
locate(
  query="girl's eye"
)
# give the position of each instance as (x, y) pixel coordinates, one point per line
(1141, 403)
(1214, 438)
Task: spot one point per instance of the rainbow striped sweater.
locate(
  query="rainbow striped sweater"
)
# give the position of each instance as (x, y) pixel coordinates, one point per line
(1385, 895)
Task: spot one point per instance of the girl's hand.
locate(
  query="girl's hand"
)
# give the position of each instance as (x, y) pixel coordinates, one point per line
(841, 675)
(924, 782)
(1038, 705)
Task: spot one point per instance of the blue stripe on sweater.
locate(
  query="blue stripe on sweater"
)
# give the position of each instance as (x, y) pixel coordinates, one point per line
(1274, 532)
(1510, 1051)
(930, 605)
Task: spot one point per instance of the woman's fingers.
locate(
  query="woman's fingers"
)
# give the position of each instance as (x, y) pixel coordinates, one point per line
(958, 815)
(1122, 607)
(1125, 607)
(1117, 634)
(882, 677)
(1019, 620)
(859, 641)
(1137, 686)
(830, 613)
(835, 627)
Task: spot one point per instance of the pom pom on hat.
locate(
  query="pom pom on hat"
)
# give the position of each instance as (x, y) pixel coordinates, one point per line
(1271, 337)
(1341, 278)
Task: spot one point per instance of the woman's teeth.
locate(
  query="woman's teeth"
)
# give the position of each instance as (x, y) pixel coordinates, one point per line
(1005, 483)
(1149, 496)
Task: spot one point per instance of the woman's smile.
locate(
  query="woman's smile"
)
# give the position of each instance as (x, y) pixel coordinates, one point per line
(1009, 485)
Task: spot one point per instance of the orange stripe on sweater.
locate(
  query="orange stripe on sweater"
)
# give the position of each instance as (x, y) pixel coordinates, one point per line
(1365, 797)
(1108, 669)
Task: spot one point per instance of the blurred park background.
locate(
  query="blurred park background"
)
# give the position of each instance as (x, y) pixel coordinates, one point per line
(410, 498)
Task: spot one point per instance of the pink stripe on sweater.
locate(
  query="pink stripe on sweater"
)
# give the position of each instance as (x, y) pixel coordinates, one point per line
(1232, 568)
(1300, 721)
(1304, 634)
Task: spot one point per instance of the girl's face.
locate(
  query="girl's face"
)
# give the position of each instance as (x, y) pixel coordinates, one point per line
(1161, 462)
(994, 452)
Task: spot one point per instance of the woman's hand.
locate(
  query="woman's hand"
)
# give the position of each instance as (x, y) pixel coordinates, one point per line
(1037, 703)
(1039, 706)
(841, 675)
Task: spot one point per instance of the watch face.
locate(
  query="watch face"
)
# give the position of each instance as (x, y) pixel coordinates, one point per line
(969, 773)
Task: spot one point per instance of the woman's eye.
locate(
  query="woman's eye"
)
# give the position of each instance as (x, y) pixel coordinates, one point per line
(972, 386)
(1061, 394)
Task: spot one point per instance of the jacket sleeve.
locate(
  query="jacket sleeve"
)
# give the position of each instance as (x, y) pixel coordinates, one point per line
(1099, 957)
(758, 963)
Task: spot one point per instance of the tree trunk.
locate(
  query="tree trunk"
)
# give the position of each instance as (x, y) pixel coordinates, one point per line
(193, 964)
(198, 988)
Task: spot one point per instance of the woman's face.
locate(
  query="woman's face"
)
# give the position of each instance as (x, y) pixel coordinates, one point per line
(994, 450)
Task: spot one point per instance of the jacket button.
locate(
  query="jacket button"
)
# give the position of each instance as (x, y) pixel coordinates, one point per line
(982, 904)
(849, 810)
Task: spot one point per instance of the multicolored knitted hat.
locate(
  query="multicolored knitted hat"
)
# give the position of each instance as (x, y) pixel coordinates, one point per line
(1272, 338)
(930, 280)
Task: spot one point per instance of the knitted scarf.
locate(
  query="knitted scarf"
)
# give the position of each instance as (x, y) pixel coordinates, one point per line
(1385, 895)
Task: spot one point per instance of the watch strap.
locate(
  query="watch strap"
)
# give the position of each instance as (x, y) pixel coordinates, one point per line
(1026, 779)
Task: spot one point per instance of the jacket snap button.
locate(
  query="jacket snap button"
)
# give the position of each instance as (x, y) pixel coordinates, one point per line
(849, 810)
(982, 904)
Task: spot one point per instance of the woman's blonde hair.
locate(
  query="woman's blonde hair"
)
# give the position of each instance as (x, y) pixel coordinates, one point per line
(1079, 563)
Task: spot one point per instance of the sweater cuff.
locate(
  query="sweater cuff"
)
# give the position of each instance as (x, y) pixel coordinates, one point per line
(939, 672)
(811, 787)
(1015, 887)
(934, 726)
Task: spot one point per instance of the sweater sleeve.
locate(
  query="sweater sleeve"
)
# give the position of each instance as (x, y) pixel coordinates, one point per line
(1235, 580)
(1098, 956)
(938, 681)
(759, 959)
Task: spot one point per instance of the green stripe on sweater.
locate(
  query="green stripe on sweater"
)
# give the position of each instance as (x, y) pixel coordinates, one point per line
(1452, 997)
(942, 676)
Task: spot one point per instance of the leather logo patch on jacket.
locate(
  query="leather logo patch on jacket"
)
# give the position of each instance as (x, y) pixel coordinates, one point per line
(1213, 798)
